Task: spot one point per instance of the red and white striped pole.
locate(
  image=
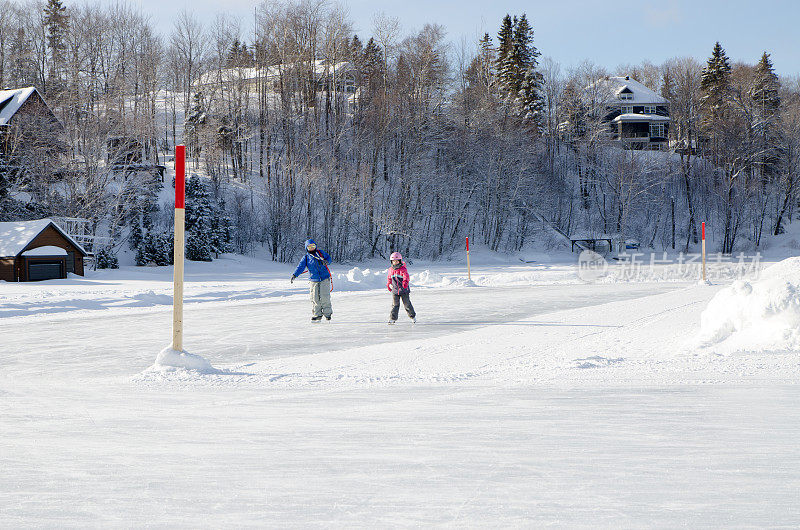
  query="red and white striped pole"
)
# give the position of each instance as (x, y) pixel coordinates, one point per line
(469, 271)
(704, 251)
(180, 221)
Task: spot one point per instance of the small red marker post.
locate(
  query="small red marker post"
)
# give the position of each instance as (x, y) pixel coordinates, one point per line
(704, 251)
(180, 223)
(469, 271)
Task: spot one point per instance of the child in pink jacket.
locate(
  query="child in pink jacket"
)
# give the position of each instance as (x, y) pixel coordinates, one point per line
(397, 281)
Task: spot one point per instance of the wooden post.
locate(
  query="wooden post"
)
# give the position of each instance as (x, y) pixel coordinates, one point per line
(673, 223)
(704, 251)
(180, 221)
(469, 271)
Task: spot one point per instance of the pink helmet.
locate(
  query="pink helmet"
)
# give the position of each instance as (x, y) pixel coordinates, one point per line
(396, 256)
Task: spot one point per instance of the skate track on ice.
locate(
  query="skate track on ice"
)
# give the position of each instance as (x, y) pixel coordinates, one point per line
(253, 340)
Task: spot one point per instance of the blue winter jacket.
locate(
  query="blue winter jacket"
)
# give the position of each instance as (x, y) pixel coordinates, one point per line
(315, 264)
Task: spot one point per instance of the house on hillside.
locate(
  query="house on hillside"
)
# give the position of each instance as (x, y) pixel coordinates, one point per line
(18, 103)
(31, 136)
(38, 250)
(637, 117)
(24, 108)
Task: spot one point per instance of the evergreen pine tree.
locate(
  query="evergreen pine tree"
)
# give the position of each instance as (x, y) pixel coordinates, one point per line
(572, 113)
(3, 183)
(531, 80)
(194, 123)
(518, 80)
(524, 53)
(504, 63)
(56, 20)
(486, 61)
(221, 231)
(668, 93)
(22, 70)
(156, 248)
(667, 85)
(199, 222)
(107, 259)
(715, 83)
(715, 86)
(372, 66)
(136, 234)
(766, 96)
(766, 89)
(234, 55)
(198, 246)
(356, 49)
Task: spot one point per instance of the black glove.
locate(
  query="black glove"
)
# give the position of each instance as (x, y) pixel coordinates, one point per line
(292, 280)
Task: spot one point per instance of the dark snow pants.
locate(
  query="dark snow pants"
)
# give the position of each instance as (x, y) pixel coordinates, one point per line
(406, 303)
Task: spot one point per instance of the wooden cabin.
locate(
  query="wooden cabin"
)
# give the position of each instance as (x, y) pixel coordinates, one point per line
(27, 122)
(38, 250)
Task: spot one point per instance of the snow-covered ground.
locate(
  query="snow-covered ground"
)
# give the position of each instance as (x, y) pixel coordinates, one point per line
(526, 397)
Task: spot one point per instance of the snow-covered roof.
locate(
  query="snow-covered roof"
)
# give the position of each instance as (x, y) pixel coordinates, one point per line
(641, 94)
(639, 117)
(11, 101)
(16, 235)
(45, 251)
(583, 235)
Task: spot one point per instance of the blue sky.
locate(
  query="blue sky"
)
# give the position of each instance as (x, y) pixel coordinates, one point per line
(607, 32)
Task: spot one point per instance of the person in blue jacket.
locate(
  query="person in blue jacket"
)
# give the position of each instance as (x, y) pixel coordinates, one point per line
(316, 261)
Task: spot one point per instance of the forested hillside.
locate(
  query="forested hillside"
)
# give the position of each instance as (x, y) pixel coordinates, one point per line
(431, 142)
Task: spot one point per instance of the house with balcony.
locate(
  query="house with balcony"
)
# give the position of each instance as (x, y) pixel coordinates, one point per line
(637, 117)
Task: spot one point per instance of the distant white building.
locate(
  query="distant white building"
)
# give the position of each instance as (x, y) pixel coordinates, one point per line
(637, 116)
(337, 77)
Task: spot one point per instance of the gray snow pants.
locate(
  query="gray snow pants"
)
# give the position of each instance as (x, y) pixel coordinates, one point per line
(321, 298)
(406, 303)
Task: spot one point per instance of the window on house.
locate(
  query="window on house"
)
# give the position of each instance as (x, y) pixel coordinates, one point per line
(627, 109)
(649, 109)
(657, 130)
(625, 95)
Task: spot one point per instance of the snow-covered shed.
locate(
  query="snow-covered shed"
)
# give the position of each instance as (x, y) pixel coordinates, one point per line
(37, 250)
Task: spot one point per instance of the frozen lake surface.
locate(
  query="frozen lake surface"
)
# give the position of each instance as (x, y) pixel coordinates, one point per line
(514, 403)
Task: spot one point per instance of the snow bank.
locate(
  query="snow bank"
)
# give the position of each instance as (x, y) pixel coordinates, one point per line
(457, 281)
(427, 277)
(170, 360)
(357, 279)
(762, 315)
(150, 298)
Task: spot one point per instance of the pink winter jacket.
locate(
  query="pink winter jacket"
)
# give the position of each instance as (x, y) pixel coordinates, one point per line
(397, 280)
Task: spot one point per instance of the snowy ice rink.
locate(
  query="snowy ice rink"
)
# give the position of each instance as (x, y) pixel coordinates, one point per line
(530, 398)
